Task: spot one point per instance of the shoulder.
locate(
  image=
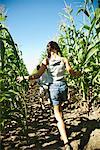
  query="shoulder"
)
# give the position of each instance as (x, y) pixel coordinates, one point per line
(65, 60)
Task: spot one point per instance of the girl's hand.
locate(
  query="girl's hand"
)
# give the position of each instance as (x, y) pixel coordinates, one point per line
(19, 78)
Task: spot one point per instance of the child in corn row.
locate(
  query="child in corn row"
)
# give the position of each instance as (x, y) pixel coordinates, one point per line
(56, 65)
(43, 82)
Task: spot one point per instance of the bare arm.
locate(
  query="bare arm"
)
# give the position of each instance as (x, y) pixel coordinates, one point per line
(39, 73)
(70, 70)
(36, 75)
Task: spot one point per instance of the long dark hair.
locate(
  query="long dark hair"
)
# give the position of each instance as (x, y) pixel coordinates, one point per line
(53, 45)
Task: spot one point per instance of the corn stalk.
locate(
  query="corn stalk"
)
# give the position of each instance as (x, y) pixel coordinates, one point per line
(12, 94)
(81, 47)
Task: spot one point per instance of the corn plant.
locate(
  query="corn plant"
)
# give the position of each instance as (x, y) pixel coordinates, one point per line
(82, 48)
(12, 93)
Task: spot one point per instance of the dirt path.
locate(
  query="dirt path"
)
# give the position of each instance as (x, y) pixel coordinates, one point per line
(83, 130)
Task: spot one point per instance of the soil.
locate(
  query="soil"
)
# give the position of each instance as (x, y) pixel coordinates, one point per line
(82, 127)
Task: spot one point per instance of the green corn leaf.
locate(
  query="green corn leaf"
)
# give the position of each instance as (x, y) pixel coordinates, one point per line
(5, 96)
(87, 1)
(87, 69)
(92, 25)
(97, 12)
(83, 10)
(96, 76)
(66, 16)
(14, 92)
(2, 18)
(86, 27)
(90, 52)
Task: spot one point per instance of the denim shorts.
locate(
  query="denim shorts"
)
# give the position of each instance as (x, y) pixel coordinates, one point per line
(58, 92)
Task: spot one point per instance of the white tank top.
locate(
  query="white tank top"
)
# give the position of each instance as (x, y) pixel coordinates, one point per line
(56, 69)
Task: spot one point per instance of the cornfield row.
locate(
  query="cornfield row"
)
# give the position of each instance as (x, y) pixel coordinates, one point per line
(12, 94)
(82, 48)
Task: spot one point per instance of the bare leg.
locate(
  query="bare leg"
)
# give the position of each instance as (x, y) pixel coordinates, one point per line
(60, 124)
(41, 98)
